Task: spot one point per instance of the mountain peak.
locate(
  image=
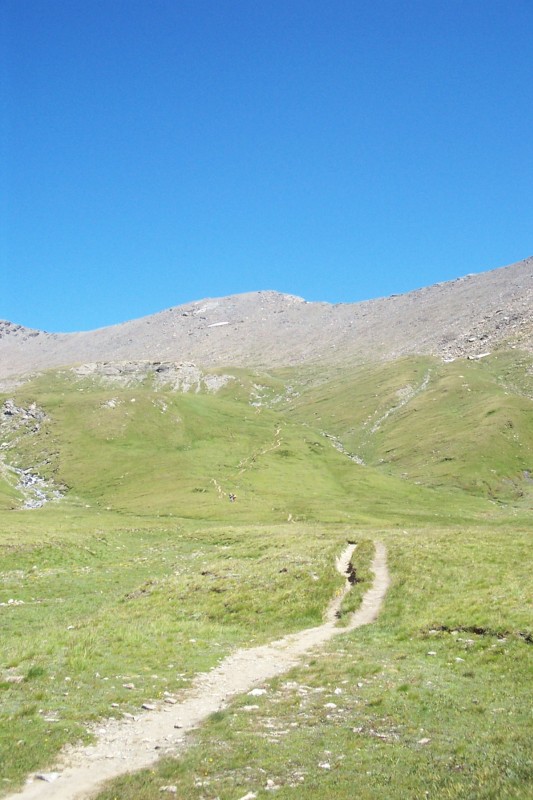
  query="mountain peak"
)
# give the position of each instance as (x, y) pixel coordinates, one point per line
(469, 316)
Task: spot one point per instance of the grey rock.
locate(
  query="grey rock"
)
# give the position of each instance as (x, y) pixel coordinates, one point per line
(269, 329)
(49, 777)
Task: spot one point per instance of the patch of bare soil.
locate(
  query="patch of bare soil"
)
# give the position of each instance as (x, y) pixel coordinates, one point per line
(127, 745)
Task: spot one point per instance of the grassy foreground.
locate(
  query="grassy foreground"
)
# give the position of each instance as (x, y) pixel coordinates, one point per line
(432, 701)
(97, 621)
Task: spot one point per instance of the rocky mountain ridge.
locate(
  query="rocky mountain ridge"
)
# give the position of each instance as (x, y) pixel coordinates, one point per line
(467, 317)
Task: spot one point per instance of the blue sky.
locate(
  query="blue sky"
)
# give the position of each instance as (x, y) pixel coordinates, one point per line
(165, 151)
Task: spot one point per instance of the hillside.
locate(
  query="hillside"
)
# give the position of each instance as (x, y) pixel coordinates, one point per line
(176, 490)
(292, 402)
(294, 444)
(466, 317)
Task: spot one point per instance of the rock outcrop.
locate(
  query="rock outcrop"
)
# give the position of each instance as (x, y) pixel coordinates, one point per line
(178, 377)
(16, 424)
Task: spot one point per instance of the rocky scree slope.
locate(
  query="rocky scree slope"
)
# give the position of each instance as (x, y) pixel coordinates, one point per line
(469, 316)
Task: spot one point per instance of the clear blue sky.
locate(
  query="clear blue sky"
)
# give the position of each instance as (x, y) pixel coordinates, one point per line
(162, 151)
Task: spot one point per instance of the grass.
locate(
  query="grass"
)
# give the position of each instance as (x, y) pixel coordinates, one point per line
(400, 709)
(146, 574)
(466, 424)
(149, 605)
(158, 452)
(9, 497)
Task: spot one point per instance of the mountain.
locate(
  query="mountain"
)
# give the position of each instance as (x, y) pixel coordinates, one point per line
(273, 397)
(178, 486)
(469, 316)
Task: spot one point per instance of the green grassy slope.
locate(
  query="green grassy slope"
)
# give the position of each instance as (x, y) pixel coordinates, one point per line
(183, 454)
(146, 573)
(466, 424)
(9, 497)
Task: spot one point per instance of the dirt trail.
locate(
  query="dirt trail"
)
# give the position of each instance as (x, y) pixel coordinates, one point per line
(128, 745)
(246, 463)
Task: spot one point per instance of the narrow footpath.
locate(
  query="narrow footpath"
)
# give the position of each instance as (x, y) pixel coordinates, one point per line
(127, 745)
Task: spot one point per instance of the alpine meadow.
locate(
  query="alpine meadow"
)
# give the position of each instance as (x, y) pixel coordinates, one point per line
(174, 494)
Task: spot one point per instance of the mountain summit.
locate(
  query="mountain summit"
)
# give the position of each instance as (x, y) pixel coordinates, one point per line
(469, 316)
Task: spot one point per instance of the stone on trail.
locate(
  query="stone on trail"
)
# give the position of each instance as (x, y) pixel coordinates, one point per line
(149, 706)
(49, 777)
